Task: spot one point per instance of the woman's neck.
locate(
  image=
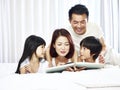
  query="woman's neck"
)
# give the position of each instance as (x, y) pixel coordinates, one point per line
(60, 59)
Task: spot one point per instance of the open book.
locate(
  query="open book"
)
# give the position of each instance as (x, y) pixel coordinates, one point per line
(88, 65)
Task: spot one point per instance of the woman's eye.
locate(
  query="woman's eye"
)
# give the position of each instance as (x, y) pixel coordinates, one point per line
(66, 44)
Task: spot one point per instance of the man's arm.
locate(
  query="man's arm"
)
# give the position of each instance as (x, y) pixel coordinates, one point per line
(102, 54)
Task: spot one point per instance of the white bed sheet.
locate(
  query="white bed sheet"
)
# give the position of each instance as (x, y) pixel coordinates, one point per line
(7, 69)
(102, 79)
(37, 82)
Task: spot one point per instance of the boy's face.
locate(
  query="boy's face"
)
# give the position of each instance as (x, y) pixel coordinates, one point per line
(85, 54)
(78, 23)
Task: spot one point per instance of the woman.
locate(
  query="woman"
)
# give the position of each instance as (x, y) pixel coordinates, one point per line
(61, 48)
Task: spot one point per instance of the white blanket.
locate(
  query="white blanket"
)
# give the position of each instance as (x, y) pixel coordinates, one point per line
(99, 79)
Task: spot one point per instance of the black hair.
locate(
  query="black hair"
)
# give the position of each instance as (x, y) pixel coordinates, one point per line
(93, 44)
(30, 46)
(78, 9)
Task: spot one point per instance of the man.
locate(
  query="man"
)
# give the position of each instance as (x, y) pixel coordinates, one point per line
(81, 28)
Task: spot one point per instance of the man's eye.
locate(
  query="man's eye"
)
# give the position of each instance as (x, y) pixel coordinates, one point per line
(75, 22)
(59, 44)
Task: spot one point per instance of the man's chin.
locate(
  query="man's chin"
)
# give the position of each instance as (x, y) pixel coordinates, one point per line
(79, 33)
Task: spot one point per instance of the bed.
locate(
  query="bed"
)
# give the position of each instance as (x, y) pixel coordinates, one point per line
(107, 78)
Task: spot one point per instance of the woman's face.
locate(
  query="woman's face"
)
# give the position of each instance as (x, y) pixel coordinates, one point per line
(62, 46)
(40, 51)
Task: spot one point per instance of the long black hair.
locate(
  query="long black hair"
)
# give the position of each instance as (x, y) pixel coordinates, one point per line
(30, 46)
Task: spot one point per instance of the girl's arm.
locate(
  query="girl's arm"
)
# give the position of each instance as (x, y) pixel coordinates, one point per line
(23, 70)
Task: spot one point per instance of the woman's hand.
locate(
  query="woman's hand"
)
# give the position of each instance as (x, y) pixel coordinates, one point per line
(75, 69)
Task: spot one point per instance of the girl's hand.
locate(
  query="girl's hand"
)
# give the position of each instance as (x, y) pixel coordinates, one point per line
(28, 68)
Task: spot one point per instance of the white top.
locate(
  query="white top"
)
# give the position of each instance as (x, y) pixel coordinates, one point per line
(54, 64)
(43, 65)
(111, 57)
(92, 30)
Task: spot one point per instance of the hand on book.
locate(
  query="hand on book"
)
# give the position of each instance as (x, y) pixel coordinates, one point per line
(79, 68)
(75, 69)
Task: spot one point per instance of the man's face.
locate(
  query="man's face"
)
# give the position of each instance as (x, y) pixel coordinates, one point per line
(78, 23)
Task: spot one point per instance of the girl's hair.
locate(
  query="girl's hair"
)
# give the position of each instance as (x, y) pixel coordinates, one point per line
(57, 33)
(93, 44)
(30, 46)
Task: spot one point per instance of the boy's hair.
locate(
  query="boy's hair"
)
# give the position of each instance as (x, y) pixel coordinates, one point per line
(93, 44)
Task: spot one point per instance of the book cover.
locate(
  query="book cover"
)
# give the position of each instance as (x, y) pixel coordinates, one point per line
(77, 64)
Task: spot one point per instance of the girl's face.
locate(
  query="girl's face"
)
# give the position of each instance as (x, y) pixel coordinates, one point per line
(40, 51)
(62, 46)
(85, 54)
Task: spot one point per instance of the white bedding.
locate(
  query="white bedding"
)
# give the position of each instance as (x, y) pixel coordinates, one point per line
(102, 79)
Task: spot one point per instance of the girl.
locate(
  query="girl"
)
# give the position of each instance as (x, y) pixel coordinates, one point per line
(32, 58)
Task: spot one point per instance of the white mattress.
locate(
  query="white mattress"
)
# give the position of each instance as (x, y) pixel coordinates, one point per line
(102, 79)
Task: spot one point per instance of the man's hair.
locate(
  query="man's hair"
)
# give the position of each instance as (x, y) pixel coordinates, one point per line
(78, 9)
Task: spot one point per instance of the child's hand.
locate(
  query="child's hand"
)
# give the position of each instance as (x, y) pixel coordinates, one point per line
(28, 69)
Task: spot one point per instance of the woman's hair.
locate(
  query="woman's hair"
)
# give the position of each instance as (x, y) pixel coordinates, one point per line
(57, 33)
(30, 46)
(93, 44)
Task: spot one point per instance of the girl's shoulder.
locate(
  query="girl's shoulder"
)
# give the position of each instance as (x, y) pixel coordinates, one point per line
(25, 62)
